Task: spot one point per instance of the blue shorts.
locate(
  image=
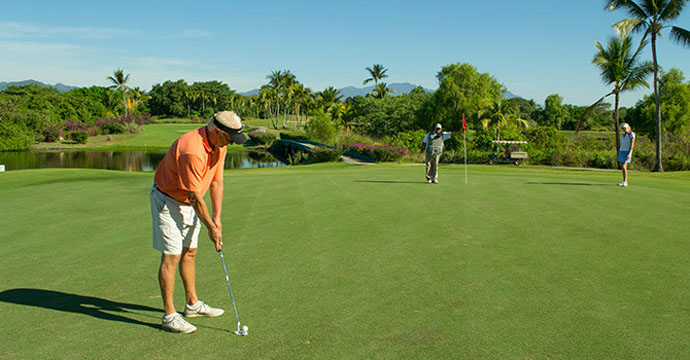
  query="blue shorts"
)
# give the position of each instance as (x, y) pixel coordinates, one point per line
(623, 156)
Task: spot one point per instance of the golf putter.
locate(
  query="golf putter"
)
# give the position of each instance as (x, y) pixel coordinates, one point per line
(244, 331)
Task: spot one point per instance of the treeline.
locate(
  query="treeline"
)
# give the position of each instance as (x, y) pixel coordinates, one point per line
(32, 113)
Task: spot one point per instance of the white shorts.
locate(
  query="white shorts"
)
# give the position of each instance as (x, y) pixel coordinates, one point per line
(175, 224)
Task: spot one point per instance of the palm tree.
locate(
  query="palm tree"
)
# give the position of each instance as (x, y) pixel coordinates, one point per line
(298, 94)
(381, 90)
(377, 73)
(329, 96)
(650, 17)
(119, 81)
(136, 97)
(191, 96)
(501, 113)
(276, 81)
(267, 96)
(619, 67)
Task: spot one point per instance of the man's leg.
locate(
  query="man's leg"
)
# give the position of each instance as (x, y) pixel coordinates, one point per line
(166, 279)
(428, 167)
(188, 273)
(434, 168)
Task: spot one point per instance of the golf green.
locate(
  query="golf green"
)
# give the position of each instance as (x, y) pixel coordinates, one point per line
(357, 262)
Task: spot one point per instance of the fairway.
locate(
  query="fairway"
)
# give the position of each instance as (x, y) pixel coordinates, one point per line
(357, 262)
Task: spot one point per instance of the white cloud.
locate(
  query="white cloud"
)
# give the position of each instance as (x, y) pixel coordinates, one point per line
(14, 30)
(194, 34)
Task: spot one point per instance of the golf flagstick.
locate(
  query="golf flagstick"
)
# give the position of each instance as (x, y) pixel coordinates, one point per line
(464, 141)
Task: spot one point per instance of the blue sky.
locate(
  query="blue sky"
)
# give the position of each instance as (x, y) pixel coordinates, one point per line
(534, 48)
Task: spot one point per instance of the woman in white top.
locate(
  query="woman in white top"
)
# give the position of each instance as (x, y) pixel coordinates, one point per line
(625, 151)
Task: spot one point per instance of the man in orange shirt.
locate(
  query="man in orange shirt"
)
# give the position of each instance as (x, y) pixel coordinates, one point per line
(193, 165)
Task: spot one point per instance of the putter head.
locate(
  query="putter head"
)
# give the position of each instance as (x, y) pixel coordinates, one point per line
(242, 332)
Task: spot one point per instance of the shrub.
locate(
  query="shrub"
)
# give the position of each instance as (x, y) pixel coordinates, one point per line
(545, 137)
(411, 140)
(261, 138)
(383, 153)
(602, 159)
(52, 133)
(354, 138)
(15, 136)
(110, 126)
(79, 137)
(319, 155)
(320, 128)
(482, 141)
(292, 135)
(132, 128)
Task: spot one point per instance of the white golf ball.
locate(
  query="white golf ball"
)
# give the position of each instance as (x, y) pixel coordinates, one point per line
(245, 328)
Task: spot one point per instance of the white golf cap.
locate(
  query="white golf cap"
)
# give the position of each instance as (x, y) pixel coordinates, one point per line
(438, 126)
(231, 124)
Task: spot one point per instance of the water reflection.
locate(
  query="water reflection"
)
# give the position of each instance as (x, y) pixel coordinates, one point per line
(116, 160)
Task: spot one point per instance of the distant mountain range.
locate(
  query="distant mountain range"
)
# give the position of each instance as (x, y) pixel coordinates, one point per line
(60, 87)
(346, 92)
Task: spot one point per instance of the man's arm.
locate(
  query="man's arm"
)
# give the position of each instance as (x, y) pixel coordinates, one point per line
(197, 201)
(216, 191)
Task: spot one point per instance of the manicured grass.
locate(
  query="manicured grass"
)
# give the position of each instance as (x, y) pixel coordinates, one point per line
(153, 136)
(354, 262)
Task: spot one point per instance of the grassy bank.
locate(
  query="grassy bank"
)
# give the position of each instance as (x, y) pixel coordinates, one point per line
(153, 136)
(343, 262)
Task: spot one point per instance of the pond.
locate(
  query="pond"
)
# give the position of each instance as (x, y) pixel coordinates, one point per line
(118, 160)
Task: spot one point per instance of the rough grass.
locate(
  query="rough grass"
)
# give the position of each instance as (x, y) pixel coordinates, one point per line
(342, 262)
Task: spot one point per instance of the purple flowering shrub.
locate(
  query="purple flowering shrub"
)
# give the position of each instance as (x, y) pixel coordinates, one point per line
(119, 125)
(383, 153)
(319, 155)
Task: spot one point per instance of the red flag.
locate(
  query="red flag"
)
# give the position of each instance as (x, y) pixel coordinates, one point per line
(464, 124)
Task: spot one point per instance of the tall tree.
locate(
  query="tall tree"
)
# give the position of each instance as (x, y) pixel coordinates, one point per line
(328, 97)
(501, 113)
(376, 73)
(651, 17)
(462, 89)
(381, 90)
(289, 79)
(276, 81)
(119, 82)
(619, 67)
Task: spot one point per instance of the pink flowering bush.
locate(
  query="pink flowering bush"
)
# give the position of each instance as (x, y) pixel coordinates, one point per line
(383, 153)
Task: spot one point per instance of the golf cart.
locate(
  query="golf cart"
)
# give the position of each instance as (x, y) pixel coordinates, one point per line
(511, 155)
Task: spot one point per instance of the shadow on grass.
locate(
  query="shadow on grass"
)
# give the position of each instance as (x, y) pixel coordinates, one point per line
(79, 304)
(87, 305)
(390, 182)
(567, 183)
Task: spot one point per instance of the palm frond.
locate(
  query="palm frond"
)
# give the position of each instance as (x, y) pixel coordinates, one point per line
(680, 35)
(590, 108)
(625, 27)
(631, 7)
(672, 9)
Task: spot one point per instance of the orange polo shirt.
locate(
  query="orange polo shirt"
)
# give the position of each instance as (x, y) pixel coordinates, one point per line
(190, 165)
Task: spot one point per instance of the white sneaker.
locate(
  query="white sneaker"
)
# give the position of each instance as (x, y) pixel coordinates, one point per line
(178, 325)
(428, 181)
(202, 309)
(435, 181)
(623, 184)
